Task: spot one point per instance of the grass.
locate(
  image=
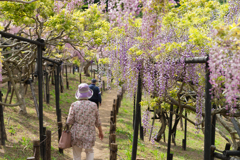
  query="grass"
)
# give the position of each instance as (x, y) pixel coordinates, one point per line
(158, 151)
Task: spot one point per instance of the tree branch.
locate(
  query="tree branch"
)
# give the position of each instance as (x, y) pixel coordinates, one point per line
(19, 1)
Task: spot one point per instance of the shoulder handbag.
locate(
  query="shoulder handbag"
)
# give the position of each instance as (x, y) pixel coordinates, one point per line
(65, 140)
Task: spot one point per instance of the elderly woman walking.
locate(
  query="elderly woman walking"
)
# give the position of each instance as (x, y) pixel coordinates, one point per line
(84, 116)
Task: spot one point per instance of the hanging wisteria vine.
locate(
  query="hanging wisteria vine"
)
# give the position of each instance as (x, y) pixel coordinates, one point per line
(166, 33)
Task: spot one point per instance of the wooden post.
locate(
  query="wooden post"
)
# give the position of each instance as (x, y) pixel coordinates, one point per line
(112, 128)
(112, 119)
(112, 139)
(43, 148)
(114, 114)
(104, 85)
(36, 149)
(59, 134)
(113, 151)
(48, 145)
(111, 114)
(118, 102)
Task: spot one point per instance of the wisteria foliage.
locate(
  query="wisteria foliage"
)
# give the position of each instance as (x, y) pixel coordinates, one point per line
(155, 36)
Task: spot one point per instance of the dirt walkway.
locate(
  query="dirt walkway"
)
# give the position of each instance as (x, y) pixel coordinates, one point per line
(101, 150)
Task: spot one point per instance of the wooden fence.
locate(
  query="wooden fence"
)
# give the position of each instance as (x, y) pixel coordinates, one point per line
(47, 146)
(113, 121)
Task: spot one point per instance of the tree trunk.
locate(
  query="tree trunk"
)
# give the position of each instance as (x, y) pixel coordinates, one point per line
(163, 127)
(21, 96)
(85, 69)
(174, 129)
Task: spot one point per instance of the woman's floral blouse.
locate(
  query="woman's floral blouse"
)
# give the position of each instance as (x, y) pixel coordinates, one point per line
(84, 116)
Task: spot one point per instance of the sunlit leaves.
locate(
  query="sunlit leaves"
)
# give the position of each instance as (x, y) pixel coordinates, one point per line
(61, 21)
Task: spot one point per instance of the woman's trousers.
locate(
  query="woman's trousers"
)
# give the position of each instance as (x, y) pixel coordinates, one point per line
(78, 151)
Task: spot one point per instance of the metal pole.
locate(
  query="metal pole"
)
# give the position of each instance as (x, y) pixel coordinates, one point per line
(207, 132)
(66, 78)
(47, 87)
(8, 35)
(2, 122)
(51, 60)
(40, 96)
(60, 130)
(58, 111)
(57, 92)
(106, 6)
(185, 133)
(97, 67)
(140, 125)
(213, 127)
(169, 157)
(134, 109)
(136, 123)
(73, 69)
(60, 76)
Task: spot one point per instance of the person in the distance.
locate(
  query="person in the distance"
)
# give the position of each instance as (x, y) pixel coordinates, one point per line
(96, 93)
(84, 117)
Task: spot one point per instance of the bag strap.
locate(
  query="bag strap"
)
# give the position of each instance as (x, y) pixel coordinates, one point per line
(67, 127)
